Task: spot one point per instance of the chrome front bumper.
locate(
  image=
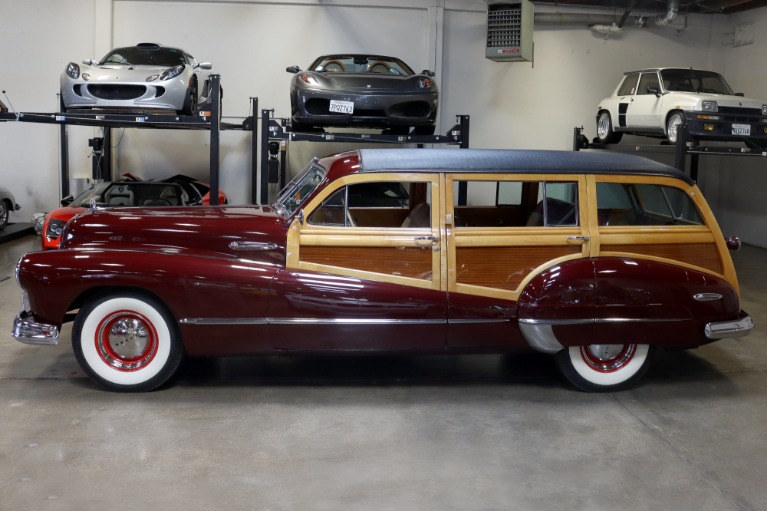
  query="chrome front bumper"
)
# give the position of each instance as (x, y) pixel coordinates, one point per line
(727, 329)
(29, 331)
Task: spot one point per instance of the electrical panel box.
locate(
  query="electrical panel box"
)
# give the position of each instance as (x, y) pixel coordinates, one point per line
(510, 31)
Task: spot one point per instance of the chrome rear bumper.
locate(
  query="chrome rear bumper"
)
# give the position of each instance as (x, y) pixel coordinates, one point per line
(727, 329)
(29, 331)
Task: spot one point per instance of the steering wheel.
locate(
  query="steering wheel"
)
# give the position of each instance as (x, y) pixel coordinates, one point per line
(379, 67)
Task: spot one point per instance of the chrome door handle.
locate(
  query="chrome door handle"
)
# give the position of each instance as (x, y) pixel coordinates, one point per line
(579, 239)
(430, 239)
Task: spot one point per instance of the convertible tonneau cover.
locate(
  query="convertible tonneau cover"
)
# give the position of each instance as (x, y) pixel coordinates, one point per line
(509, 160)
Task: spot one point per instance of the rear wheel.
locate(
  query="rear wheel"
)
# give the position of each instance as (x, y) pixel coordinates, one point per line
(5, 212)
(127, 342)
(604, 367)
(605, 132)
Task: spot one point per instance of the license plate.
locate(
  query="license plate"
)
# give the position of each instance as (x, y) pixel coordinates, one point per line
(342, 107)
(741, 129)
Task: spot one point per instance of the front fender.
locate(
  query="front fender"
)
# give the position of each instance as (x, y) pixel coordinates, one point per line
(190, 285)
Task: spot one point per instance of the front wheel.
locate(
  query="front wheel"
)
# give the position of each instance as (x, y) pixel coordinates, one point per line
(190, 102)
(674, 122)
(127, 342)
(604, 367)
(605, 132)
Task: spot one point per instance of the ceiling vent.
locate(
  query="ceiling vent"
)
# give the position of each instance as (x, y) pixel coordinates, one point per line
(510, 31)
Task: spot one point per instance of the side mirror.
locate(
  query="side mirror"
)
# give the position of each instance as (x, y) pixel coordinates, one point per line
(428, 73)
(293, 69)
(66, 201)
(90, 62)
(653, 90)
(205, 65)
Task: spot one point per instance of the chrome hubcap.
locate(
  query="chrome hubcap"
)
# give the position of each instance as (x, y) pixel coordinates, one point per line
(603, 126)
(608, 357)
(126, 341)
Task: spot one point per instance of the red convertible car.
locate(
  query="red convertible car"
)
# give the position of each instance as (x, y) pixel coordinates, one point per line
(596, 259)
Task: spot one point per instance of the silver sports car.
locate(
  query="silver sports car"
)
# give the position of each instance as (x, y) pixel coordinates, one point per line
(363, 90)
(7, 204)
(142, 77)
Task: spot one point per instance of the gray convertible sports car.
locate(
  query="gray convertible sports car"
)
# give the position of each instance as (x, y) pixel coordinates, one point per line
(371, 91)
(142, 77)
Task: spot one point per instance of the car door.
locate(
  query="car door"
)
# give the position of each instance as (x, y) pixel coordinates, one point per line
(644, 107)
(625, 95)
(505, 231)
(364, 268)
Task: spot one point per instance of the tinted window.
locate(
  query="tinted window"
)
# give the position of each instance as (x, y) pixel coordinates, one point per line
(693, 80)
(361, 64)
(647, 82)
(628, 86)
(164, 57)
(645, 204)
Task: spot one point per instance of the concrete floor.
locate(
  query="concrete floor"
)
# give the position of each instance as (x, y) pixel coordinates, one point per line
(425, 433)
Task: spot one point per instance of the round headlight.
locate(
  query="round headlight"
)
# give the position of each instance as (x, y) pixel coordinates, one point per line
(73, 70)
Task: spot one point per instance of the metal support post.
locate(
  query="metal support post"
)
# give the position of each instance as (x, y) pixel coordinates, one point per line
(265, 116)
(254, 151)
(64, 161)
(215, 127)
(463, 189)
(682, 137)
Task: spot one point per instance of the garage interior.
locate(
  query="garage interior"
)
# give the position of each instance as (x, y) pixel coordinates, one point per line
(466, 432)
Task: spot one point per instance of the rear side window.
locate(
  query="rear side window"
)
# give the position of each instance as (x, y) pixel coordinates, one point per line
(645, 204)
(628, 87)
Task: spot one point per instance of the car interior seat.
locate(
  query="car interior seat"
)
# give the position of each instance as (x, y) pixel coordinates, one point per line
(420, 216)
(119, 196)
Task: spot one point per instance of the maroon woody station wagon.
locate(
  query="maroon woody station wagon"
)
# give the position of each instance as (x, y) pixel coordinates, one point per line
(593, 258)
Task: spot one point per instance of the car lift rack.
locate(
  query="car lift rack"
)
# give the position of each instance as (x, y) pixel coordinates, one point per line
(209, 119)
(683, 147)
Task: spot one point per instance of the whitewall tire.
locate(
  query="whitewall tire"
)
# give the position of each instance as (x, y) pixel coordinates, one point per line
(604, 367)
(127, 342)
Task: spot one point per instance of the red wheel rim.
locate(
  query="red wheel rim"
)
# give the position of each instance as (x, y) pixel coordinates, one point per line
(608, 358)
(126, 340)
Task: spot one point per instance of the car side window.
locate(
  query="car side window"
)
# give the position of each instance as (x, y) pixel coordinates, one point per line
(649, 84)
(628, 87)
(376, 204)
(517, 204)
(644, 204)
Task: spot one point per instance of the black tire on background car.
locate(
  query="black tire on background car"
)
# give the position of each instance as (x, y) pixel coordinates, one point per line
(127, 341)
(5, 211)
(674, 120)
(190, 102)
(604, 367)
(605, 132)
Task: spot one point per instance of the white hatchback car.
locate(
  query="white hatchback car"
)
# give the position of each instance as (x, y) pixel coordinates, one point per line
(654, 102)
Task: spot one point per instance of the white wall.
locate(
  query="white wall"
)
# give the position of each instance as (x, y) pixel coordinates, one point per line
(512, 105)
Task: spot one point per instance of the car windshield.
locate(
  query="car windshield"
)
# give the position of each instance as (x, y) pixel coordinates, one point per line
(692, 80)
(149, 56)
(95, 192)
(361, 64)
(300, 188)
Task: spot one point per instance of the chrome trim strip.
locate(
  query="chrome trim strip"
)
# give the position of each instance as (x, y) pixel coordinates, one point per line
(707, 297)
(729, 329)
(29, 331)
(477, 321)
(224, 321)
(309, 321)
(559, 322)
(252, 245)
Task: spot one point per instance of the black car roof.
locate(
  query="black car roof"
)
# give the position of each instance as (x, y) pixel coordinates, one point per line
(509, 160)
